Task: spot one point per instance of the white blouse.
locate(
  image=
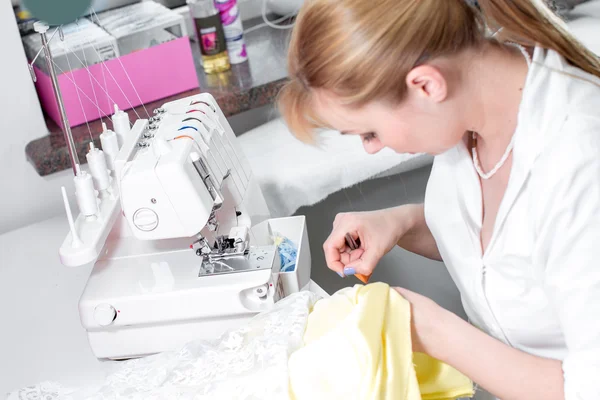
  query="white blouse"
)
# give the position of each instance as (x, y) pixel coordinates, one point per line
(537, 286)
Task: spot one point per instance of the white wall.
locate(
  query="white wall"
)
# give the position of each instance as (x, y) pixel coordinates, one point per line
(586, 24)
(25, 196)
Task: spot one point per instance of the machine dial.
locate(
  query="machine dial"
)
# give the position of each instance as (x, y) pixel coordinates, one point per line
(145, 219)
(105, 314)
(262, 291)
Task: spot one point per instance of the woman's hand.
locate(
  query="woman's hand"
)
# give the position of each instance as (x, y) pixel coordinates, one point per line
(378, 232)
(491, 363)
(427, 321)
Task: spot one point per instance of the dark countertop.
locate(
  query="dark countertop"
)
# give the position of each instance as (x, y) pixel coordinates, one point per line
(247, 86)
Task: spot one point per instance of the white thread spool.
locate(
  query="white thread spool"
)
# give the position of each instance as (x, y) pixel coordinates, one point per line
(121, 125)
(85, 194)
(98, 169)
(110, 146)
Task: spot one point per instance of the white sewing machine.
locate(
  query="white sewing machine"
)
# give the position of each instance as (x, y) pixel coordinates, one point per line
(180, 237)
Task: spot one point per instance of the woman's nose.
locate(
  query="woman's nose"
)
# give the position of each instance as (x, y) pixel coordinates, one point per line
(373, 146)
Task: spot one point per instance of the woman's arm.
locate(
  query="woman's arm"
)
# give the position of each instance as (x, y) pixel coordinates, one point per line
(418, 238)
(503, 371)
(507, 373)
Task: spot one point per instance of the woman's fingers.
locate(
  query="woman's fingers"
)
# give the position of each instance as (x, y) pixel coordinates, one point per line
(333, 248)
(364, 264)
(339, 257)
(349, 256)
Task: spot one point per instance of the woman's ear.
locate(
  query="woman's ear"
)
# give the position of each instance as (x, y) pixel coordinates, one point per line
(427, 81)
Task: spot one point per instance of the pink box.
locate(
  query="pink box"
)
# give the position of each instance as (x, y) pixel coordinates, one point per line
(156, 73)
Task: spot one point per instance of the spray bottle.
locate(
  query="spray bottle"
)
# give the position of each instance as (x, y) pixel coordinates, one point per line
(234, 31)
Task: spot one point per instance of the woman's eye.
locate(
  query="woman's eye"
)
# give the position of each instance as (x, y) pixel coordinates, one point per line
(367, 137)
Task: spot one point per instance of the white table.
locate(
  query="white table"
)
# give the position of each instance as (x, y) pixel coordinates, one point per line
(41, 338)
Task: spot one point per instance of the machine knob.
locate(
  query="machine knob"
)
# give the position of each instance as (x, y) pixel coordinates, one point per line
(262, 291)
(105, 314)
(145, 219)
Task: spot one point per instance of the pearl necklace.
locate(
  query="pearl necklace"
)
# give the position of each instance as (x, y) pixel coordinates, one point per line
(504, 157)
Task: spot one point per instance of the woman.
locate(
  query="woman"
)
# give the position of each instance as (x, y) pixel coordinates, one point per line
(513, 201)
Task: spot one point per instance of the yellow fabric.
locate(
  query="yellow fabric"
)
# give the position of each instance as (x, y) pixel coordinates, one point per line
(358, 346)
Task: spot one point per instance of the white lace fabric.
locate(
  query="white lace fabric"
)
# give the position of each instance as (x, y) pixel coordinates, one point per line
(249, 363)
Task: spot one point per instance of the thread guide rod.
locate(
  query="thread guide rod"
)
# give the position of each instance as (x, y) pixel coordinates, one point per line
(42, 28)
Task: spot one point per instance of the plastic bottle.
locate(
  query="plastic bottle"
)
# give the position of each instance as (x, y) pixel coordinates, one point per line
(211, 36)
(121, 124)
(234, 31)
(110, 146)
(98, 170)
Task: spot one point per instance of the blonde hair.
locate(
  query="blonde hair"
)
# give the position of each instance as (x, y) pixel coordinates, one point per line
(362, 50)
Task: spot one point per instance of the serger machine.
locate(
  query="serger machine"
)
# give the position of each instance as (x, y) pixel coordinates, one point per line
(179, 232)
(176, 226)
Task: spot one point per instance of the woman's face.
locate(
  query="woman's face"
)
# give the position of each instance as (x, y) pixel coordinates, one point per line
(418, 125)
